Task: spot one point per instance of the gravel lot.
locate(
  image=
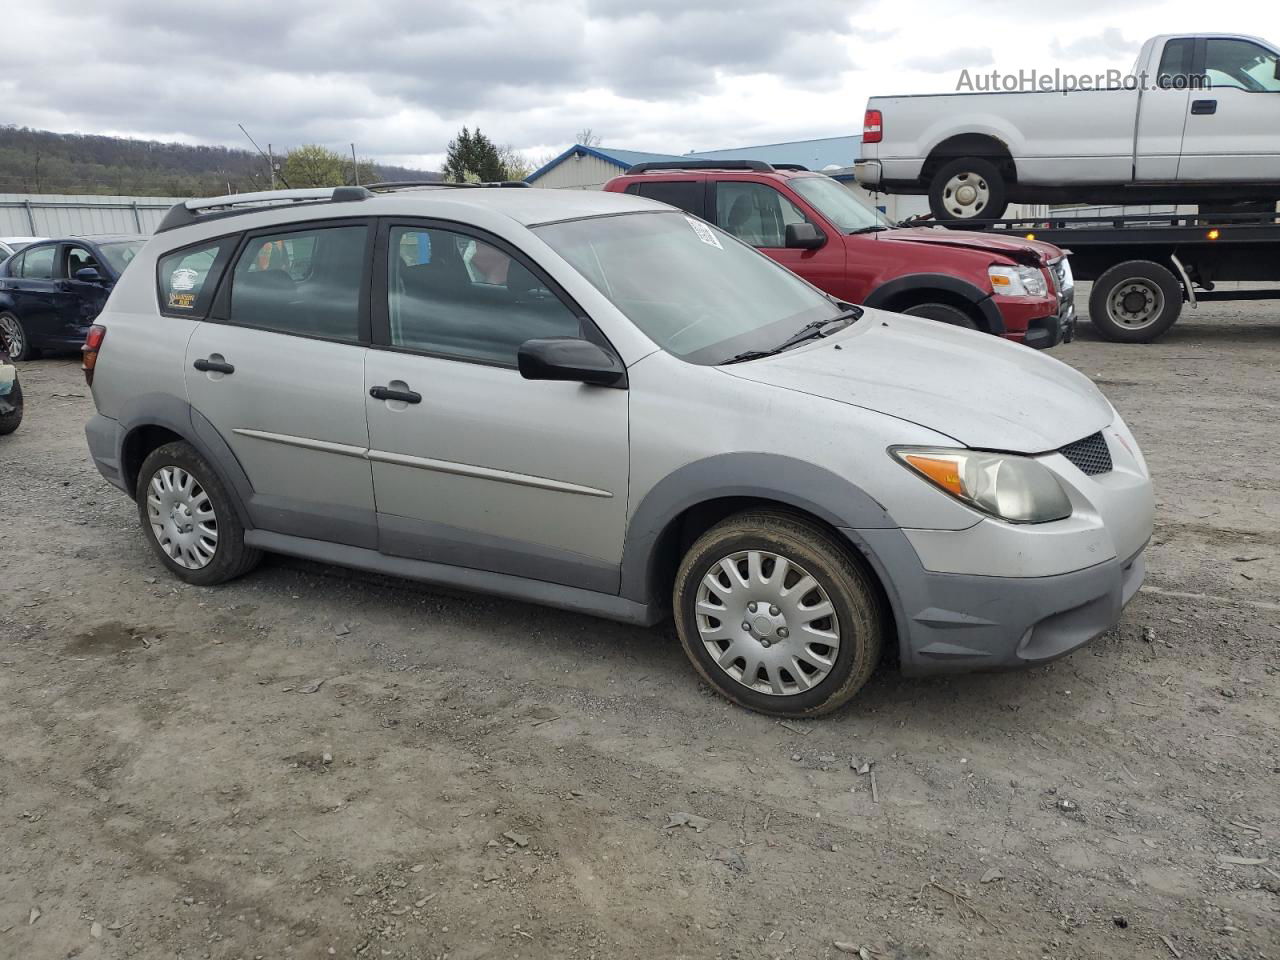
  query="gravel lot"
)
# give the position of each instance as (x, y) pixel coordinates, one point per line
(479, 778)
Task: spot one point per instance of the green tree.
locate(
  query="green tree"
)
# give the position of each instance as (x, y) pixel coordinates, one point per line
(472, 156)
(312, 165)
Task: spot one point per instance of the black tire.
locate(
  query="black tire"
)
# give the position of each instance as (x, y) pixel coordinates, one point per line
(10, 423)
(20, 349)
(943, 313)
(842, 576)
(1121, 287)
(981, 172)
(230, 558)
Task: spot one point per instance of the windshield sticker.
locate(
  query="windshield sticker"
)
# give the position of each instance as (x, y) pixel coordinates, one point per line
(704, 233)
(184, 278)
(182, 301)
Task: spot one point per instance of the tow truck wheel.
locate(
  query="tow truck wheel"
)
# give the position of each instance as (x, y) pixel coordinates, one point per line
(968, 189)
(1135, 302)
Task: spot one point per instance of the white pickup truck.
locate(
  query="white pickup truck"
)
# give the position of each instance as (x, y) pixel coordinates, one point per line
(1198, 119)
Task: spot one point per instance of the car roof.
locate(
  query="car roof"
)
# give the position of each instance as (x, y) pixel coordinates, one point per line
(89, 239)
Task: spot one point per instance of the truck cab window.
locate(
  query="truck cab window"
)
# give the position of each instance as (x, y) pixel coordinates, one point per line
(1175, 62)
(1240, 63)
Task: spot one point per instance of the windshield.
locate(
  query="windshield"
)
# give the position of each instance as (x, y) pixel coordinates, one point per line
(692, 289)
(119, 253)
(838, 204)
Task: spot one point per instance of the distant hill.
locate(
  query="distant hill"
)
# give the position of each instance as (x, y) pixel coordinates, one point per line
(39, 161)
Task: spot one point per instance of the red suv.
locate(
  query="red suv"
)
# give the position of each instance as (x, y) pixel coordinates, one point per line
(1014, 288)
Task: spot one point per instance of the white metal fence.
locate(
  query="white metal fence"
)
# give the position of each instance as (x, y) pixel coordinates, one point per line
(70, 215)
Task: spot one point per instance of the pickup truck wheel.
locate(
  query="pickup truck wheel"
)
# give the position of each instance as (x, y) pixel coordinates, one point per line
(1135, 302)
(968, 189)
(943, 313)
(778, 615)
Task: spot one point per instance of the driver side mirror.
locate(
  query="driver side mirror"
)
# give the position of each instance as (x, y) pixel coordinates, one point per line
(88, 275)
(568, 358)
(804, 236)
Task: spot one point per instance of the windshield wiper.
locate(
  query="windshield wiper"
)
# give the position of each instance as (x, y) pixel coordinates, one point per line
(809, 331)
(876, 228)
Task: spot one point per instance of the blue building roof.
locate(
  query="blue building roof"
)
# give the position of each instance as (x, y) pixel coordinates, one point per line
(814, 154)
(619, 158)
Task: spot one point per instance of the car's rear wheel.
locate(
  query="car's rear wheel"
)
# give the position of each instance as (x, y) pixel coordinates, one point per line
(188, 517)
(14, 339)
(943, 313)
(10, 421)
(778, 615)
(970, 188)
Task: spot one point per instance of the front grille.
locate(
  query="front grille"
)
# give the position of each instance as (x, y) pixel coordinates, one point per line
(1091, 455)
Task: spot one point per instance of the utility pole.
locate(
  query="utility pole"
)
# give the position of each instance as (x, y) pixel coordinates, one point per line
(271, 162)
(355, 164)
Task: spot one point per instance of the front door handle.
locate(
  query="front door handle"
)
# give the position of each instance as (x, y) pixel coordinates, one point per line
(213, 366)
(386, 393)
(1201, 107)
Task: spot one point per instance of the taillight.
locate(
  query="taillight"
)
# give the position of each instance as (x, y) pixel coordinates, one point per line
(89, 352)
(872, 127)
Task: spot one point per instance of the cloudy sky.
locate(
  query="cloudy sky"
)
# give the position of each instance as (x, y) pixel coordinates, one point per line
(399, 77)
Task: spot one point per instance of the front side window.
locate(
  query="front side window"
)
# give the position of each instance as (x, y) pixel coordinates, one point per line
(755, 213)
(458, 296)
(79, 258)
(838, 204)
(692, 289)
(37, 264)
(187, 278)
(1240, 63)
(1175, 62)
(305, 282)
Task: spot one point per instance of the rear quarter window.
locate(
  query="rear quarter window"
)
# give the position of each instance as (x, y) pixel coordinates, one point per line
(186, 279)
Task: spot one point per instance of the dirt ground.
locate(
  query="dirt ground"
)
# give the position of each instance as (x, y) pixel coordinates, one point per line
(480, 778)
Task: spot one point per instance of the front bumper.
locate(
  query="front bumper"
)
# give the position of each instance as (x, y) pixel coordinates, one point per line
(1040, 323)
(955, 623)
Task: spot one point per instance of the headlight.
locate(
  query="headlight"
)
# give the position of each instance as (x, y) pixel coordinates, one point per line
(1012, 488)
(1017, 281)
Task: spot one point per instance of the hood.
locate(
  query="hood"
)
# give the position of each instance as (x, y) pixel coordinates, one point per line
(980, 390)
(1019, 249)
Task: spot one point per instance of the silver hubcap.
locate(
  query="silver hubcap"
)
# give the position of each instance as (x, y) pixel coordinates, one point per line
(966, 195)
(11, 336)
(182, 518)
(1135, 304)
(767, 623)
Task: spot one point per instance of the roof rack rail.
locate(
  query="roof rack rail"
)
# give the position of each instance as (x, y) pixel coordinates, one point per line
(756, 166)
(403, 184)
(201, 208)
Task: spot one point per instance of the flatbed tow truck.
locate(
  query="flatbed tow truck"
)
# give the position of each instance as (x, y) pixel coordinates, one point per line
(1144, 267)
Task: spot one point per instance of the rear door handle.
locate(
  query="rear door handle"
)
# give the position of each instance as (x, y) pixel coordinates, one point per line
(386, 393)
(1199, 107)
(213, 366)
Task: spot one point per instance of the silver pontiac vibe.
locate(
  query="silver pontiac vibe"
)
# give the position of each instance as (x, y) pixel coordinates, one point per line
(594, 401)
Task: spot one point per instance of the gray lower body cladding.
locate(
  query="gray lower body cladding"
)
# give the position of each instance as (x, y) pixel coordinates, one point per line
(953, 623)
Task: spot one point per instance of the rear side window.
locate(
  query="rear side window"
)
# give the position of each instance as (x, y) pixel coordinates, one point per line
(37, 264)
(685, 194)
(187, 278)
(305, 282)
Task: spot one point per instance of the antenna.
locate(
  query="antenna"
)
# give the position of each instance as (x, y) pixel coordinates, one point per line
(271, 164)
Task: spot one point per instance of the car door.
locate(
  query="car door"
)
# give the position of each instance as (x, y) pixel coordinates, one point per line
(76, 302)
(33, 292)
(758, 214)
(1162, 113)
(472, 464)
(278, 370)
(1233, 127)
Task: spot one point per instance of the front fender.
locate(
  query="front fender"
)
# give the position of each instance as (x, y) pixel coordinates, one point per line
(922, 283)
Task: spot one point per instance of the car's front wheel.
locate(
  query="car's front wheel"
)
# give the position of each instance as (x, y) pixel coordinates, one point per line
(188, 518)
(778, 615)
